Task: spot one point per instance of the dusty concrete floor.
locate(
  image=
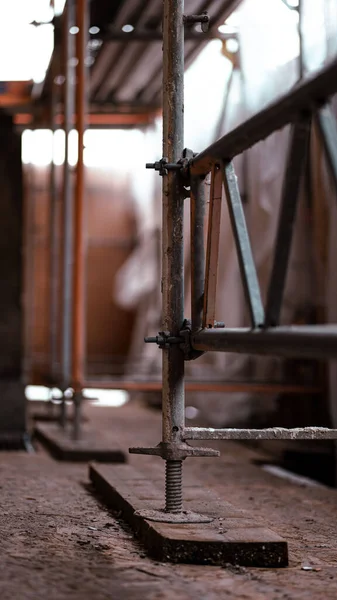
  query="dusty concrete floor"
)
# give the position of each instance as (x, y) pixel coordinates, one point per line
(58, 542)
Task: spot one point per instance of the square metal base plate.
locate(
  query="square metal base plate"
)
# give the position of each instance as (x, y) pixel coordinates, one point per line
(232, 537)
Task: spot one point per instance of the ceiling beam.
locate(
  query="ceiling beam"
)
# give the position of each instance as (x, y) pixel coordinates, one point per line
(149, 35)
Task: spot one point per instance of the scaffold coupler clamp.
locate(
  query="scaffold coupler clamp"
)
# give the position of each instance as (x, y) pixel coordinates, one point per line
(186, 346)
(164, 340)
(163, 166)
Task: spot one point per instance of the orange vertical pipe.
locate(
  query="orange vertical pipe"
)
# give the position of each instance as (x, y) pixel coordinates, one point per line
(79, 224)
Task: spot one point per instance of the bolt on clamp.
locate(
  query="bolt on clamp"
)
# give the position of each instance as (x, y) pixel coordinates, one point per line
(203, 19)
(163, 166)
(164, 340)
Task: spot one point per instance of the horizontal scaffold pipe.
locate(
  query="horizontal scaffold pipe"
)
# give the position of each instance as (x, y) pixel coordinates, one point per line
(272, 433)
(306, 341)
(308, 95)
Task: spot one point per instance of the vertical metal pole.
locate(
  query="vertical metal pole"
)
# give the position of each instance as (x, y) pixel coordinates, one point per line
(54, 251)
(67, 220)
(197, 251)
(79, 249)
(173, 409)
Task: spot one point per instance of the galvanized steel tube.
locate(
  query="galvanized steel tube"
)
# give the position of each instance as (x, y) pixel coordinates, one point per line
(67, 207)
(69, 92)
(307, 341)
(54, 250)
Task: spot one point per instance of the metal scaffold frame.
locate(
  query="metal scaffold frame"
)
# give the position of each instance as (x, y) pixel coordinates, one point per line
(67, 247)
(183, 174)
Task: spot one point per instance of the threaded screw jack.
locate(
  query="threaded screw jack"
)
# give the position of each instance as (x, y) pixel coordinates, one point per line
(174, 486)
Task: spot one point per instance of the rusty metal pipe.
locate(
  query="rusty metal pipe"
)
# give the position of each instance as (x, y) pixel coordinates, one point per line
(54, 251)
(271, 433)
(78, 328)
(173, 218)
(307, 341)
(173, 401)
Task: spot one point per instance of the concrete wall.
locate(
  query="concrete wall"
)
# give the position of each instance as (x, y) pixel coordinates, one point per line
(12, 399)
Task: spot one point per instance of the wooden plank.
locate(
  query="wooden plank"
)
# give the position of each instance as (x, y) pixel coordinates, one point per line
(40, 410)
(234, 536)
(91, 446)
(212, 252)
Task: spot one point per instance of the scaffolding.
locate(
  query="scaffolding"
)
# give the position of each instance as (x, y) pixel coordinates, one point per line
(183, 174)
(67, 222)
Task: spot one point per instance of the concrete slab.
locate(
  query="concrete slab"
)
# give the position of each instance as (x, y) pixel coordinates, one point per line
(233, 537)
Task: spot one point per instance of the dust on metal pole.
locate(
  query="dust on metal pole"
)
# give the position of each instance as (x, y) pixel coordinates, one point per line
(68, 208)
(79, 231)
(173, 409)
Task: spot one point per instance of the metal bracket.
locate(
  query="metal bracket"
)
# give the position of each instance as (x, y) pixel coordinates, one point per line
(182, 166)
(186, 345)
(163, 166)
(203, 19)
(186, 157)
(163, 340)
(175, 451)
